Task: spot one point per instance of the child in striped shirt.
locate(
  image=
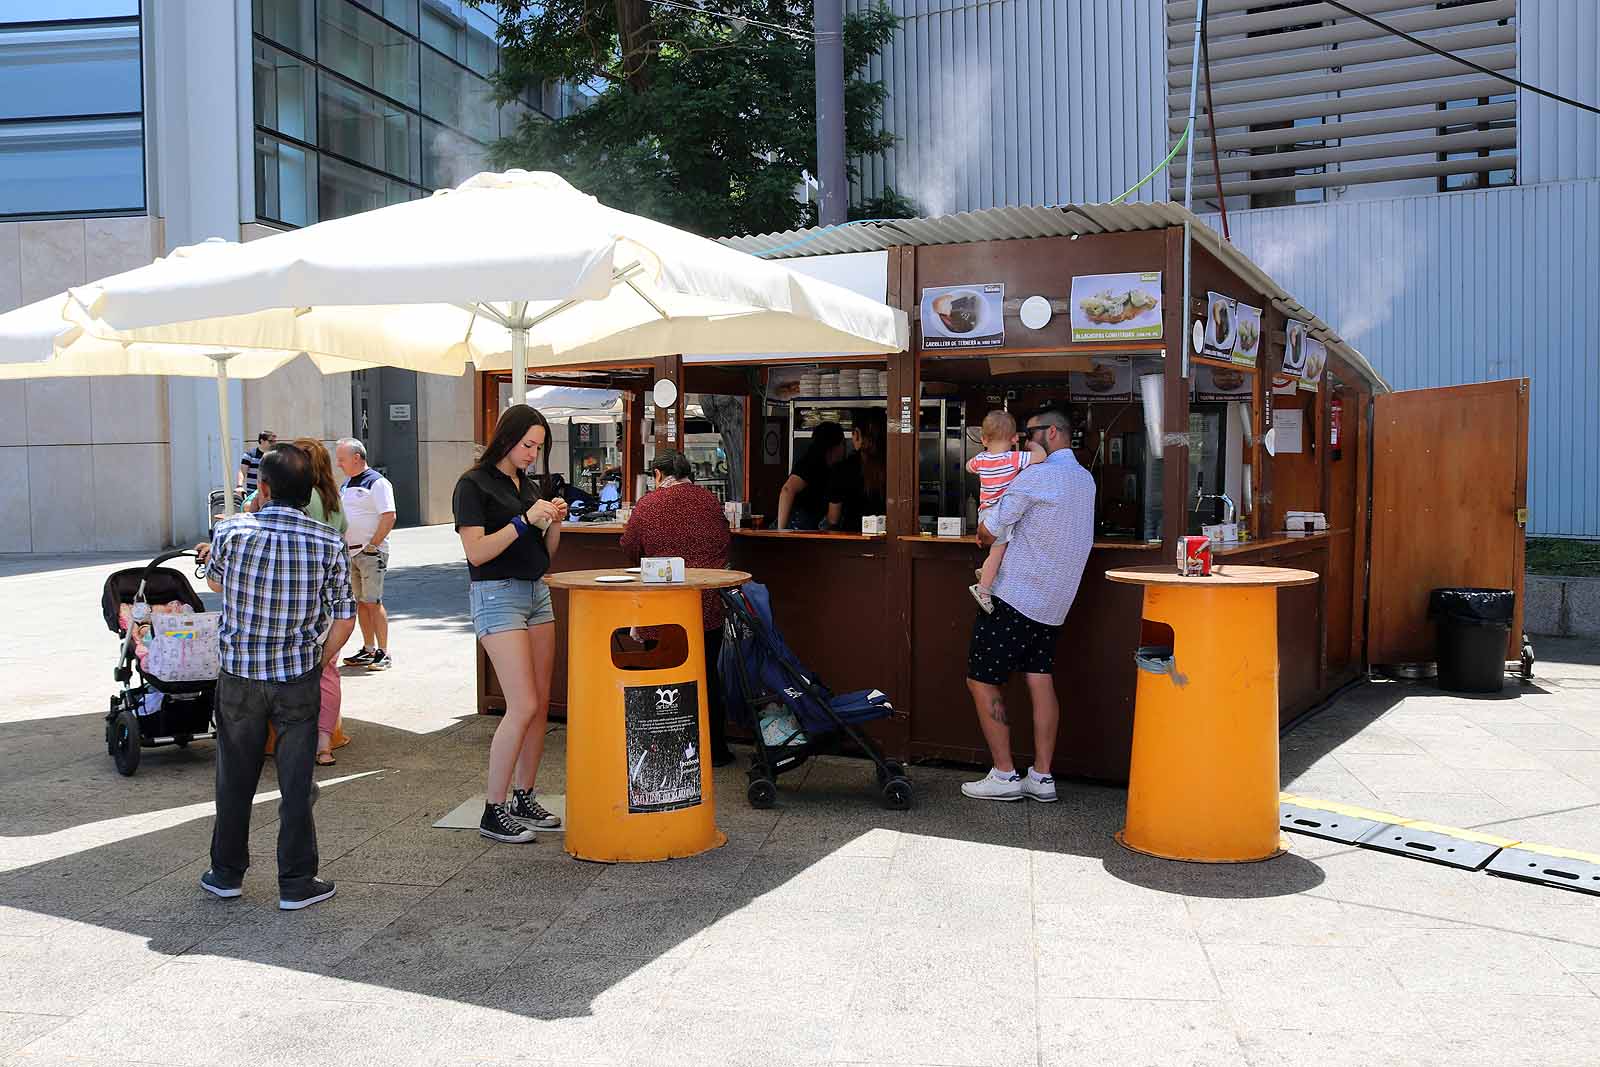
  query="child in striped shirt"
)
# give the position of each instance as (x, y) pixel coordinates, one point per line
(996, 466)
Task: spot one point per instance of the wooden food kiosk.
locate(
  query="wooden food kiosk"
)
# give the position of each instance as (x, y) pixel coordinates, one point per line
(1419, 489)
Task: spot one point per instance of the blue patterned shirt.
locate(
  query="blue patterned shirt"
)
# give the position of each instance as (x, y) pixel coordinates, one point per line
(285, 577)
(1049, 509)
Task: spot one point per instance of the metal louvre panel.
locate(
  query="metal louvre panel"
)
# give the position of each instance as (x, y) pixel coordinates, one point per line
(1426, 93)
(1350, 128)
(1180, 26)
(1339, 33)
(1281, 75)
(1368, 76)
(1316, 157)
(1178, 75)
(1365, 176)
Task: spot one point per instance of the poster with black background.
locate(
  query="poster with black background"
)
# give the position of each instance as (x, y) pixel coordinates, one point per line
(663, 730)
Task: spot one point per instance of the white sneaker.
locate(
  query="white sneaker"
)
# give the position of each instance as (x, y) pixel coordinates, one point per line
(996, 785)
(1043, 789)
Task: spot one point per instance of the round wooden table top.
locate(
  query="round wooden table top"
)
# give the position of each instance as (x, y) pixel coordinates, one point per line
(1221, 574)
(693, 578)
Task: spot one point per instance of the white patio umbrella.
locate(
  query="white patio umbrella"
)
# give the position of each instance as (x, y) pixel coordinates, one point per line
(503, 269)
(36, 342)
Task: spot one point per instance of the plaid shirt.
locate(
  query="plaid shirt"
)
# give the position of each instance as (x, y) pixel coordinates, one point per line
(285, 577)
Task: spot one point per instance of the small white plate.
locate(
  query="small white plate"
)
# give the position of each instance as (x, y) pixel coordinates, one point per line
(612, 579)
(632, 570)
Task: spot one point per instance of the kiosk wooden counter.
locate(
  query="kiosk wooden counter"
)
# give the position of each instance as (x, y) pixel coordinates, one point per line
(892, 610)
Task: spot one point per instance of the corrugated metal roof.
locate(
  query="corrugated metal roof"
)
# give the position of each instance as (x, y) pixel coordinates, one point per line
(1012, 223)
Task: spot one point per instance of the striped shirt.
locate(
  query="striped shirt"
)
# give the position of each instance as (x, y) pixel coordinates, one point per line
(995, 471)
(251, 462)
(285, 577)
(1049, 510)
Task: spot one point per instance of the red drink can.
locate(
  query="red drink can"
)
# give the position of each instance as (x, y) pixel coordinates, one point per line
(1194, 556)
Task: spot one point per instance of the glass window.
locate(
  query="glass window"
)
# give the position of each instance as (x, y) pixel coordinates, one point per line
(511, 116)
(359, 126)
(46, 72)
(456, 98)
(367, 51)
(286, 187)
(449, 158)
(483, 49)
(82, 165)
(284, 96)
(291, 23)
(444, 27)
(402, 13)
(346, 190)
(59, 10)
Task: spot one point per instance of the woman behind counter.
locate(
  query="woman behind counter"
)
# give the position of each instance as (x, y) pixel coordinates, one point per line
(803, 500)
(509, 534)
(856, 487)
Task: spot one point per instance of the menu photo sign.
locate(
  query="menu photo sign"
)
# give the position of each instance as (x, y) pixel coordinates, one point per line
(1222, 321)
(1106, 379)
(1213, 384)
(964, 316)
(1246, 335)
(1316, 361)
(1116, 307)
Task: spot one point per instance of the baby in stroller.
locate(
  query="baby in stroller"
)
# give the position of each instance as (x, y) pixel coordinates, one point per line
(169, 643)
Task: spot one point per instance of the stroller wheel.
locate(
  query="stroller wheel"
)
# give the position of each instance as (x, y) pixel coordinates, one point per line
(125, 749)
(763, 793)
(897, 794)
(890, 769)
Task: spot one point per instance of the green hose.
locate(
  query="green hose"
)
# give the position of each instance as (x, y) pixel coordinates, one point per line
(1163, 163)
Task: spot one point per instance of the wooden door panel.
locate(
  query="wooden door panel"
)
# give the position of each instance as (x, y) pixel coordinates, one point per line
(1448, 477)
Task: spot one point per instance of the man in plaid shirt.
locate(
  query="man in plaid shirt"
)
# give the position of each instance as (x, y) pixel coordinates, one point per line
(286, 611)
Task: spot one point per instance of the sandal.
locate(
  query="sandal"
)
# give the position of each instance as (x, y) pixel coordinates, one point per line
(325, 759)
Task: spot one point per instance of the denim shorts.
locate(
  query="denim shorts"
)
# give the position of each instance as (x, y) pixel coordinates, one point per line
(509, 604)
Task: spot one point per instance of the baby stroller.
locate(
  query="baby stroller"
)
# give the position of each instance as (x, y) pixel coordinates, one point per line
(789, 711)
(158, 711)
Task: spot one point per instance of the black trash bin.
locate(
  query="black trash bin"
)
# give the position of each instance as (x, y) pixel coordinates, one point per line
(1474, 628)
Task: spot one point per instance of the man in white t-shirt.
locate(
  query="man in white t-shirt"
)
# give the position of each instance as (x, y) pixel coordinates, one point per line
(367, 500)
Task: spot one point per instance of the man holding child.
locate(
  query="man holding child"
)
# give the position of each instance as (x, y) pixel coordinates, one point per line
(1044, 513)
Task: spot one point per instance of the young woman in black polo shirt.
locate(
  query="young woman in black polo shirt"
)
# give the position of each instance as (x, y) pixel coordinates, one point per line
(509, 534)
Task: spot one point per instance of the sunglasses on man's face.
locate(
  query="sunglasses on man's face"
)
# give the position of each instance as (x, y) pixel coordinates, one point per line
(1029, 431)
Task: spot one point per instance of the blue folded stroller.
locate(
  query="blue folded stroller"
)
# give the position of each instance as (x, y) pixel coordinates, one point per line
(790, 713)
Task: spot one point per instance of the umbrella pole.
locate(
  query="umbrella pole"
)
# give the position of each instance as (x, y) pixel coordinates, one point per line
(221, 360)
(519, 353)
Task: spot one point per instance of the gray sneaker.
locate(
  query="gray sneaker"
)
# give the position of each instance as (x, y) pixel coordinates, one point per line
(525, 806)
(995, 786)
(1043, 790)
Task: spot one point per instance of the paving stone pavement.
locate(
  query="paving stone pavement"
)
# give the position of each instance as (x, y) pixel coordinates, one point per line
(827, 931)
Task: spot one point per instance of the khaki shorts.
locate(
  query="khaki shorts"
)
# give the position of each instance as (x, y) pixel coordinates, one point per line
(366, 575)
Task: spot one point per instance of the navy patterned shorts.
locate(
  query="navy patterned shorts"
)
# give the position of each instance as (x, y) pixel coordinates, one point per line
(1008, 641)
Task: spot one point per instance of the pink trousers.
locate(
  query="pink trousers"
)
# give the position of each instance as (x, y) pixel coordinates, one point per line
(328, 717)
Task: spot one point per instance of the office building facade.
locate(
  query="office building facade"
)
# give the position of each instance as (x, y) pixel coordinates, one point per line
(128, 128)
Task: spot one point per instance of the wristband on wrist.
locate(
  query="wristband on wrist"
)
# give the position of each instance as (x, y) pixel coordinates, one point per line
(521, 525)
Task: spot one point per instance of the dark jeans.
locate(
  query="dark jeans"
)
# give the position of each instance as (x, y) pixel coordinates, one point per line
(244, 707)
(715, 712)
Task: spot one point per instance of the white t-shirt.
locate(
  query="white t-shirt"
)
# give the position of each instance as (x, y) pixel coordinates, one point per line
(364, 500)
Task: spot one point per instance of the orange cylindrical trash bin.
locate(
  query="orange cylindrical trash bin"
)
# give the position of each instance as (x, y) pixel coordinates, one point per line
(639, 784)
(1203, 779)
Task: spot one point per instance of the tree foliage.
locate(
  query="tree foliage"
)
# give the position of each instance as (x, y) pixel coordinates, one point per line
(698, 120)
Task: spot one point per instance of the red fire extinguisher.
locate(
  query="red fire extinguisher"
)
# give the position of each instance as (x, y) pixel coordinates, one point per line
(1335, 424)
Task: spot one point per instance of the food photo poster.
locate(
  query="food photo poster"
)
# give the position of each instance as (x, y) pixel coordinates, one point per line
(964, 316)
(1116, 307)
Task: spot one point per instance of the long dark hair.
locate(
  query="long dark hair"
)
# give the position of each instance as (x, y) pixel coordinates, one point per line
(824, 435)
(872, 424)
(513, 425)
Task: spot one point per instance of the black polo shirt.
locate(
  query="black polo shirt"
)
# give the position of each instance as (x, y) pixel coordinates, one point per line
(490, 499)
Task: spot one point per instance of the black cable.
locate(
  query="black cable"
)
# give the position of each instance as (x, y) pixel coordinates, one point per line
(1211, 121)
(1480, 68)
